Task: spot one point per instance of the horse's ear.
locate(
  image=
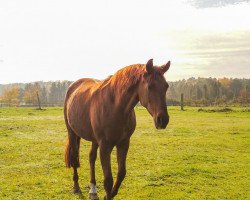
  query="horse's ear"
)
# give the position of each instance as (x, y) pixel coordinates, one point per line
(165, 67)
(149, 66)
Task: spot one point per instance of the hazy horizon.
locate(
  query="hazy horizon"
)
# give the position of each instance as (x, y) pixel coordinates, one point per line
(104, 78)
(49, 41)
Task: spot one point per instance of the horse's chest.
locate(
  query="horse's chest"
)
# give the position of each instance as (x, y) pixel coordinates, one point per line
(116, 129)
(119, 133)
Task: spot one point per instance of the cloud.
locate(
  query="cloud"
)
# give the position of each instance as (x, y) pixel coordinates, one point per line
(211, 54)
(214, 3)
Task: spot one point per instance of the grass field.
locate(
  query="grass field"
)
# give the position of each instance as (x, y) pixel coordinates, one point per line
(201, 155)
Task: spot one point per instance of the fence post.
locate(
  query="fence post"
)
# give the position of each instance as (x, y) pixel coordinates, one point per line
(38, 101)
(182, 101)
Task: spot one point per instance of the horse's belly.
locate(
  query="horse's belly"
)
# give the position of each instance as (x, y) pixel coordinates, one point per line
(81, 127)
(83, 131)
(78, 120)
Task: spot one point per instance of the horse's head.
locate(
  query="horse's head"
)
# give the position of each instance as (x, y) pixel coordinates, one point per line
(152, 93)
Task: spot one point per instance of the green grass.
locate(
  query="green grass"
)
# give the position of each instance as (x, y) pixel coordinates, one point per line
(201, 155)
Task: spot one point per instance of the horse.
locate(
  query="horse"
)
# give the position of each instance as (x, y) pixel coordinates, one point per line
(102, 112)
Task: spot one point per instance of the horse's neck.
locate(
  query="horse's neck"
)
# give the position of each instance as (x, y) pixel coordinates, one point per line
(130, 99)
(126, 97)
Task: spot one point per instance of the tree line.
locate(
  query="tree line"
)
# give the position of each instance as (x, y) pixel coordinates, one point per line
(196, 92)
(210, 91)
(31, 94)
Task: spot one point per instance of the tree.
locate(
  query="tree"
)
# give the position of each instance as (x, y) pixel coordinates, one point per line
(10, 95)
(235, 87)
(205, 92)
(53, 95)
(31, 94)
(44, 96)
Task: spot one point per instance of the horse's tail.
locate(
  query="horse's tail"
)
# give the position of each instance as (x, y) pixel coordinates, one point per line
(67, 155)
(72, 151)
(72, 145)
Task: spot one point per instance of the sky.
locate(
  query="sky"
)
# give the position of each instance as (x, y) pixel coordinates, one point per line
(66, 40)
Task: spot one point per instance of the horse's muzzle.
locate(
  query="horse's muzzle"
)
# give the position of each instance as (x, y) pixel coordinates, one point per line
(161, 121)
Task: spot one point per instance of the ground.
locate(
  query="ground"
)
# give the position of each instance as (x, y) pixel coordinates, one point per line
(201, 155)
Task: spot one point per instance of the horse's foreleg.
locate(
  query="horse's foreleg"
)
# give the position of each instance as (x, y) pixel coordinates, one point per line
(105, 151)
(122, 150)
(92, 158)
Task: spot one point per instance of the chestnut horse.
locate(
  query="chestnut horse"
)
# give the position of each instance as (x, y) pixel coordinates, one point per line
(103, 112)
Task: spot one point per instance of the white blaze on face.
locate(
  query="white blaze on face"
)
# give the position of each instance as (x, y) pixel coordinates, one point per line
(93, 189)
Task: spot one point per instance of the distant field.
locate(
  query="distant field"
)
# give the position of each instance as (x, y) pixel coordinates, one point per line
(201, 155)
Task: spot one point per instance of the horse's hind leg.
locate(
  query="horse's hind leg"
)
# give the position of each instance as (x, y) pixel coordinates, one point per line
(76, 188)
(72, 157)
(92, 158)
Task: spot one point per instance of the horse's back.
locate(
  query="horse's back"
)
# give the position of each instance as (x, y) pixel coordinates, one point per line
(77, 105)
(84, 82)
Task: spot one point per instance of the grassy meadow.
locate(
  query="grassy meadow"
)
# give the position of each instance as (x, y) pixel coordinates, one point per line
(201, 155)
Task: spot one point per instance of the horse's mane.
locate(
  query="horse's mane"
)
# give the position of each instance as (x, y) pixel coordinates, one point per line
(127, 76)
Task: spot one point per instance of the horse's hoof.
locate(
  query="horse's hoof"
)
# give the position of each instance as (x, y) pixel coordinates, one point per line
(93, 196)
(105, 198)
(77, 191)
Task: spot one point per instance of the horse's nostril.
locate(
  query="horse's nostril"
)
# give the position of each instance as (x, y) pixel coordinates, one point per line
(159, 120)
